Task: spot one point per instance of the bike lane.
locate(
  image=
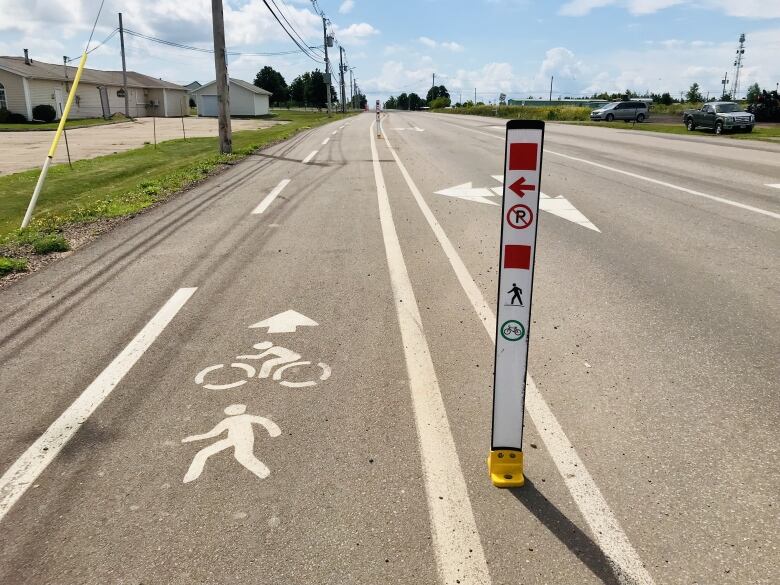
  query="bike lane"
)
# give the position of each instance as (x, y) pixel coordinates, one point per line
(330, 491)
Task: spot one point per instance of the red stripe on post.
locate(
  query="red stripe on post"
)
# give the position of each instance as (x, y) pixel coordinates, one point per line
(523, 156)
(517, 256)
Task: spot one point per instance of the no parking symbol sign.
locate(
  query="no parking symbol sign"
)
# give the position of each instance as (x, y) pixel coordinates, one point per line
(522, 184)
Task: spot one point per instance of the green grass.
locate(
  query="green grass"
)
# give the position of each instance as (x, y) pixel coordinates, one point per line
(46, 244)
(571, 113)
(125, 183)
(766, 133)
(9, 265)
(82, 123)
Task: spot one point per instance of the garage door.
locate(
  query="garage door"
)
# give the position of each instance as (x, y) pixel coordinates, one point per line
(209, 103)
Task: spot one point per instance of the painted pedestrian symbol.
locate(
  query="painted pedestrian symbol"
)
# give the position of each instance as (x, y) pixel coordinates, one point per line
(520, 216)
(240, 437)
(516, 292)
(512, 330)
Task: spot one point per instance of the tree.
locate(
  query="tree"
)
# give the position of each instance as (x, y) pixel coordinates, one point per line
(362, 101)
(403, 101)
(439, 102)
(271, 80)
(666, 99)
(391, 103)
(437, 91)
(753, 93)
(298, 89)
(415, 101)
(694, 94)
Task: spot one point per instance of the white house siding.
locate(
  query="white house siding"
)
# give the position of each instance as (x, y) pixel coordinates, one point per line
(14, 92)
(261, 105)
(176, 103)
(242, 101)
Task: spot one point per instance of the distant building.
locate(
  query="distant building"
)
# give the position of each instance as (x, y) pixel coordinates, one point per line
(26, 83)
(246, 99)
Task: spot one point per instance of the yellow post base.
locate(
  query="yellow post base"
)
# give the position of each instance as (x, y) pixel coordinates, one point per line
(506, 468)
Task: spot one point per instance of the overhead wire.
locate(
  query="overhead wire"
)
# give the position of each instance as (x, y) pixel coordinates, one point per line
(94, 25)
(204, 50)
(303, 47)
(288, 22)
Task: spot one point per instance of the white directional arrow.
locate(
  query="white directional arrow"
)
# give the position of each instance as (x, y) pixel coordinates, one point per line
(562, 207)
(285, 322)
(466, 191)
(559, 206)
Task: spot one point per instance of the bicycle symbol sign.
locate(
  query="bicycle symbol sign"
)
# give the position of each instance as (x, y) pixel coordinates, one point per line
(512, 330)
(520, 216)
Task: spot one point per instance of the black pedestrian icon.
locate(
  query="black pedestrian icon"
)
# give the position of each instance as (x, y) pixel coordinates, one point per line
(516, 292)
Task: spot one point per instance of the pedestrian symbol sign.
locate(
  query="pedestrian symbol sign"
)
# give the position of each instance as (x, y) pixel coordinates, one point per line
(522, 184)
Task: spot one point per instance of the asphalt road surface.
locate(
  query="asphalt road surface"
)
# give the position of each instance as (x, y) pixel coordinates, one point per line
(157, 427)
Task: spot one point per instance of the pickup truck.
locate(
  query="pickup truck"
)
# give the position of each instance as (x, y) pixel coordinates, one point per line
(719, 116)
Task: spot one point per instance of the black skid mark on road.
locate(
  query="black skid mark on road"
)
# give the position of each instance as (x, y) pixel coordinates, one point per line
(566, 531)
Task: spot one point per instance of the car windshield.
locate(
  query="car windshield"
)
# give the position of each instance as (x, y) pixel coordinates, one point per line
(609, 106)
(728, 108)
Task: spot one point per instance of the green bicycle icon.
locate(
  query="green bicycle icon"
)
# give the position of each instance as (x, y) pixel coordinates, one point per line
(512, 330)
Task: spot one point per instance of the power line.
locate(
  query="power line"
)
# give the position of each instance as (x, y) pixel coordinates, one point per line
(292, 28)
(302, 47)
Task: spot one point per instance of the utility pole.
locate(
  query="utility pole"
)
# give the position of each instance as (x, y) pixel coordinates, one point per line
(433, 84)
(223, 81)
(327, 61)
(737, 66)
(341, 80)
(124, 66)
(67, 91)
(475, 96)
(551, 86)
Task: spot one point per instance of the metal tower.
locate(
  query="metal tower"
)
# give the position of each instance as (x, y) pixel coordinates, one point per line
(738, 66)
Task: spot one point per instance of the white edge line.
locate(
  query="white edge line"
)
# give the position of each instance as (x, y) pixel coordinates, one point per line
(605, 528)
(335, 132)
(766, 212)
(457, 546)
(311, 156)
(773, 185)
(21, 475)
(324, 142)
(266, 202)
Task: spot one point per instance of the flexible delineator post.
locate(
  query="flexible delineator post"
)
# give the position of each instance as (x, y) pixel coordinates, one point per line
(54, 143)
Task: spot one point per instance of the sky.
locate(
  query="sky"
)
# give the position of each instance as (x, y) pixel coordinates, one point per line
(491, 46)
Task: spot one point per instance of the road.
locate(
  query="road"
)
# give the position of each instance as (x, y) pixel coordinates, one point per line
(651, 440)
(21, 151)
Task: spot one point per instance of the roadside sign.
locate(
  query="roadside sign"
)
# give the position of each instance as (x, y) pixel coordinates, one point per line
(522, 184)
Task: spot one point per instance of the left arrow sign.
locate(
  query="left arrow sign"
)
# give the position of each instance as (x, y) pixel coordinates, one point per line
(286, 322)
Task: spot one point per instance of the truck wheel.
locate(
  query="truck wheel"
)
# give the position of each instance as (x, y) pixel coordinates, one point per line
(640, 118)
(718, 127)
(749, 129)
(690, 125)
(610, 117)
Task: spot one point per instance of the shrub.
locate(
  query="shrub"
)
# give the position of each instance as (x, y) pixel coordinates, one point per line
(50, 243)
(4, 114)
(44, 112)
(14, 118)
(440, 102)
(9, 265)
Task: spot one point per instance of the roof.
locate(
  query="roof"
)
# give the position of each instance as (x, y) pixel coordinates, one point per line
(240, 83)
(192, 86)
(41, 70)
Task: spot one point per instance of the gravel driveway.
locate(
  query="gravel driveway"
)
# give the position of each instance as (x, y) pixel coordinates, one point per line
(20, 151)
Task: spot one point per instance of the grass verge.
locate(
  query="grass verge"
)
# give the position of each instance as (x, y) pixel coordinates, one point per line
(765, 133)
(570, 113)
(9, 265)
(122, 184)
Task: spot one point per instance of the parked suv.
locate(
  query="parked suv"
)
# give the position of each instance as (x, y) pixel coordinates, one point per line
(621, 111)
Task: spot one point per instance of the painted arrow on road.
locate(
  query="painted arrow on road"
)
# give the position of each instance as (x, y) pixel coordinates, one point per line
(286, 322)
(414, 128)
(559, 205)
(466, 191)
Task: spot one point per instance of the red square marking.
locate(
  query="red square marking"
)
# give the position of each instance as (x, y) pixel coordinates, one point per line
(523, 156)
(517, 256)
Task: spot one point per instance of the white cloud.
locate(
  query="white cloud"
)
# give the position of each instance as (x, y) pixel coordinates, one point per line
(427, 42)
(762, 9)
(449, 45)
(561, 63)
(346, 6)
(452, 46)
(355, 34)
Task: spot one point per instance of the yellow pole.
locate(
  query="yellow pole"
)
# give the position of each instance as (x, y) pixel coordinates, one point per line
(55, 142)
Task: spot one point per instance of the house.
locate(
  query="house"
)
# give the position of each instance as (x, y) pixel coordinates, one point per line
(26, 83)
(246, 99)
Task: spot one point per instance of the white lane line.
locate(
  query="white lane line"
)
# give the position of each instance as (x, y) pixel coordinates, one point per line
(459, 553)
(21, 475)
(768, 213)
(335, 132)
(324, 142)
(606, 530)
(342, 126)
(311, 156)
(270, 197)
(771, 214)
(774, 185)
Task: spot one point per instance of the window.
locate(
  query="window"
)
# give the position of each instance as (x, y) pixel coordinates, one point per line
(707, 109)
(3, 101)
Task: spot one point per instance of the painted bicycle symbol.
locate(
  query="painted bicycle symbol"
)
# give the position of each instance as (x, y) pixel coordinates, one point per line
(273, 356)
